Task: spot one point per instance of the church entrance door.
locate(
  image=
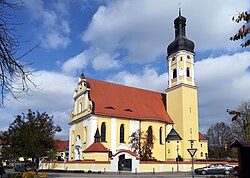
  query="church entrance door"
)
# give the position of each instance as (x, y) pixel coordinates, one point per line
(124, 164)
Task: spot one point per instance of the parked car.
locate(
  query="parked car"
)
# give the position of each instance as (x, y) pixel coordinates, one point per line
(215, 169)
(25, 166)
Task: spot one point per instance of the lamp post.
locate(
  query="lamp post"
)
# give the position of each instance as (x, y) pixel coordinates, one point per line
(177, 149)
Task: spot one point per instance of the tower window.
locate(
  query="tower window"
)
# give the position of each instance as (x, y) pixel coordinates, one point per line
(174, 73)
(160, 135)
(122, 133)
(181, 72)
(191, 130)
(181, 59)
(103, 132)
(188, 72)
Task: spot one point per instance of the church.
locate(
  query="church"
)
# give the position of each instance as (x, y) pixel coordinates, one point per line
(105, 115)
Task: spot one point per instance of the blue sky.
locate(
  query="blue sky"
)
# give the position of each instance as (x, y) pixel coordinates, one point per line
(124, 41)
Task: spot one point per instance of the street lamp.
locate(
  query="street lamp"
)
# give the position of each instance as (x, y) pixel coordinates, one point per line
(177, 149)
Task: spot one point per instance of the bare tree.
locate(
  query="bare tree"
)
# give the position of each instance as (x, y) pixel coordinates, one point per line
(244, 30)
(218, 135)
(219, 138)
(14, 75)
(241, 121)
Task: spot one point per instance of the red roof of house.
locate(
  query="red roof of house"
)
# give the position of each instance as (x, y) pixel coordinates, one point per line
(202, 137)
(62, 145)
(2, 142)
(96, 147)
(127, 102)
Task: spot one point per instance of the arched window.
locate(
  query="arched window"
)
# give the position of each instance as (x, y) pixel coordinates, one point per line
(188, 72)
(80, 107)
(174, 73)
(78, 138)
(122, 133)
(160, 135)
(150, 135)
(103, 132)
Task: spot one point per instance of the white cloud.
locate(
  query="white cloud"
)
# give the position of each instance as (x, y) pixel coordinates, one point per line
(54, 92)
(143, 28)
(53, 26)
(55, 40)
(78, 62)
(5, 119)
(223, 83)
(148, 79)
(92, 56)
(105, 61)
(62, 119)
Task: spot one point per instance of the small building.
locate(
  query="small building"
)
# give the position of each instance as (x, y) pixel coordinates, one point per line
(244, 158)
(62, 150)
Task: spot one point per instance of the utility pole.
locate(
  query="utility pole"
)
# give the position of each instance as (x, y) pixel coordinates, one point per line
(177, 149)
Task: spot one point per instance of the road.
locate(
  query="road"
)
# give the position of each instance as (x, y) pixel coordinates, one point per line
(122, 175)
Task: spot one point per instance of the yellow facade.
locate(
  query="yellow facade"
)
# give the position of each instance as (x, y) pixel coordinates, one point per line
(96, 156)
(158, 146)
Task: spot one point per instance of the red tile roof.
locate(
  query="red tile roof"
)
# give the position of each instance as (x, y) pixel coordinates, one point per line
(202, 137)
(127, 102)
(62, 145)
(96, 147)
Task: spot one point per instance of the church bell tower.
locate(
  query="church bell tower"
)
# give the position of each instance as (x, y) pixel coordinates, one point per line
(180, 56)
(181, 95)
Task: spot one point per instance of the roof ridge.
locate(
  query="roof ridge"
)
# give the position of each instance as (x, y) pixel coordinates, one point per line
(126, 86)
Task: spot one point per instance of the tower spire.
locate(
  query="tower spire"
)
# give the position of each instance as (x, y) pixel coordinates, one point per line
(180, 42)
(97, 135)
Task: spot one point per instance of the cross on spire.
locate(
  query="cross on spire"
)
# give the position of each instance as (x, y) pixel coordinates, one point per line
(179, 8)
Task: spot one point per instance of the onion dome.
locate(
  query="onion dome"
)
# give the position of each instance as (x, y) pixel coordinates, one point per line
(180, 42)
